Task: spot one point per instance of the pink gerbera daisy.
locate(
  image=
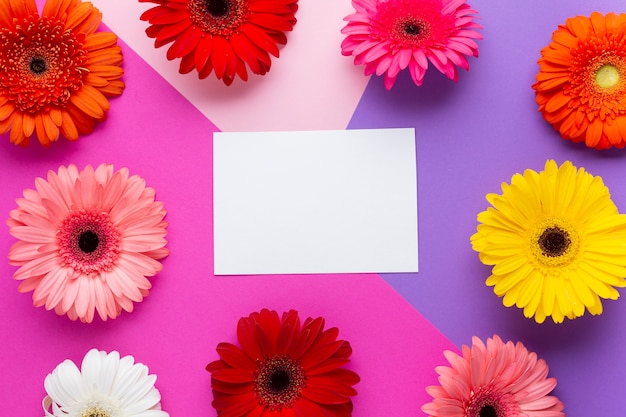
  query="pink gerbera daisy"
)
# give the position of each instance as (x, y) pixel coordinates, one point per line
(388, 36)
(87, 241)
(494, 380)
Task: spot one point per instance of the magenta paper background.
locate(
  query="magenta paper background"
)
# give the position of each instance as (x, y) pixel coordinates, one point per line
(470, 137)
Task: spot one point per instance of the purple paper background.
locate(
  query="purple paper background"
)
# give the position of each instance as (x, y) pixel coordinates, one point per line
(471, 136)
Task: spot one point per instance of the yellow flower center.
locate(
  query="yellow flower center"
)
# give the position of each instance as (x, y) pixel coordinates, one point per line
(607, 76)
(554, 243)
(96, 412)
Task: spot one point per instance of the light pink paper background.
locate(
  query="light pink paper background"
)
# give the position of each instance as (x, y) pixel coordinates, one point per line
(160, 136)
(298, 93)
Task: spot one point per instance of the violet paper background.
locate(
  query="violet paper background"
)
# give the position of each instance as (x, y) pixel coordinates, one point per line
(470, 137)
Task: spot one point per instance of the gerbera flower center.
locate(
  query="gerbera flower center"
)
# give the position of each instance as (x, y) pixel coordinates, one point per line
(279, 382)
(96, 412)
(607, 76)
(489, 401)
(411, 29)
(41, 64)
(597, 78)
(554, 242)
(37, 65)
(218, 8)
(96, 406)
(487, 411)
(88, 242)
(218, 17)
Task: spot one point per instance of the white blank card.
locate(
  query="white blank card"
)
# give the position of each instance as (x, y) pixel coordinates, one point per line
(340, 201)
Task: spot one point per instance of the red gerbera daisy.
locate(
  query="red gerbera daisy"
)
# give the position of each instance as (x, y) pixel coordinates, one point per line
(283, 369)
(56, 72)
(225, 36)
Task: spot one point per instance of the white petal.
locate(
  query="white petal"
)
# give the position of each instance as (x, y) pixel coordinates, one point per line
(65, 384)
(92, 369)
(108, 372)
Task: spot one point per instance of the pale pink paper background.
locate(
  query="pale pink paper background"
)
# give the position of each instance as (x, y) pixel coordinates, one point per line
(310, 86)
(158, 134)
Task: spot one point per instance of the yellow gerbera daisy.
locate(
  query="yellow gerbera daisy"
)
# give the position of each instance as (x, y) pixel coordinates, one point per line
(556, 241)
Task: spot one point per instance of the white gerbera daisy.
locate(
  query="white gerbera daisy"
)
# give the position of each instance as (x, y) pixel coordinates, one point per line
(105, 386)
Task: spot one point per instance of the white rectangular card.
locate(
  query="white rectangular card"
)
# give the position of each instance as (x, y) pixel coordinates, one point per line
(339, 201)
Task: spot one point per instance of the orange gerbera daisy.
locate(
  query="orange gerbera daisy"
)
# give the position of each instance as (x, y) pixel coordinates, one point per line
(225, 36)
(56, 72)
(581, 83)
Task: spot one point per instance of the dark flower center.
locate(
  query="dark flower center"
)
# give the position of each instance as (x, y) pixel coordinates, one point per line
(37, 65)
(554, 242)
(279, 382)
(218, 8)
(218, 17)
(42, 64)
(88, 241)
(412, 29)
(487, 411)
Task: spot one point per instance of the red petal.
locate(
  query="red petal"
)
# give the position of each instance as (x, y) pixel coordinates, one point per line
(269, 6)
(170, 32)
(271, 21)
(247, 339)
(185, 43)
(234, 357)
(235, 405)
(260, 38)
(203, 52)
(310, 331)
(318, 354)
(231, 389)
(236, 376)
(186, 64)
(331, 390)
(327, 366)
(306, 408)
(221, 53)
(247, 51)
(167, 18)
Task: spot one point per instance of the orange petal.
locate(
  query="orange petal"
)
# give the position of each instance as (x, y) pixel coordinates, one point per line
(83, 18)
(107, 71)
(51, 129)
(17, 134)
(597, 21)
(6, 110)
(612, 133)
(100, 40)
(56, 116)
(90, 101)
(114, 88)
(558, 100)
(594, 133)
(23, 8)
(68, 128)
(28, 124)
